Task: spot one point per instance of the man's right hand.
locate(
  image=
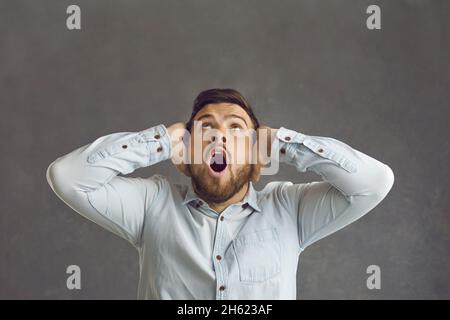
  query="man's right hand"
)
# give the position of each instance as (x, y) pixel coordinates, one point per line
(176, 132)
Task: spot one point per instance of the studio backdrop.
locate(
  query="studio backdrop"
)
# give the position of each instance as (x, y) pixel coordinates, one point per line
(373, 74)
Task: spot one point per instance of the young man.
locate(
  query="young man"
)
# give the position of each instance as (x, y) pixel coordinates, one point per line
(218, 237)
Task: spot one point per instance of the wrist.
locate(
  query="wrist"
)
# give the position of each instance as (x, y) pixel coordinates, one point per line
(176, 133)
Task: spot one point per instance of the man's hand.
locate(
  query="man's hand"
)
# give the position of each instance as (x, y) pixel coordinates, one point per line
(176, 132)
(265, 136)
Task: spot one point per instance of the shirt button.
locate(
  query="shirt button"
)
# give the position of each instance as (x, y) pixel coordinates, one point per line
(159, 149)
(222, 218)
(320, 150)
(124, 146)
(221, 288)
(218, 257)
(157, 136)
(283, 150)
(287, 138)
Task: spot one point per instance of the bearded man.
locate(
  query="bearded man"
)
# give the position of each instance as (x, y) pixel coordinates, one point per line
(218, 237)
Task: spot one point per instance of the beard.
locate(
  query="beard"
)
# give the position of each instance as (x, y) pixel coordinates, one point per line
(212, 191)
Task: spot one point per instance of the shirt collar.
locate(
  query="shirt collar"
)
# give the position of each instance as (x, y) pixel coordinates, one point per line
(251, 197)
(190, 195)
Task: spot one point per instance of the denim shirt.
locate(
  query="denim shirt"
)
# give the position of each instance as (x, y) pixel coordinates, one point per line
(186, 249)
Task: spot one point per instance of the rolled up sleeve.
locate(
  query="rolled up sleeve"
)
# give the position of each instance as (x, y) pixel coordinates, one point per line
(353, 183)
(87, 179)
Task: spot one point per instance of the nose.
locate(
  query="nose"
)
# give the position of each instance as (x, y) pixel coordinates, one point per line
(213, 138)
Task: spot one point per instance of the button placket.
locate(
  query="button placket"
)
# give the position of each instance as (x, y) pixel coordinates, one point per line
(218, 265)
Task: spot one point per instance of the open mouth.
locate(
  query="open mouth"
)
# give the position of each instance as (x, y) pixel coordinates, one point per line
(218, 161)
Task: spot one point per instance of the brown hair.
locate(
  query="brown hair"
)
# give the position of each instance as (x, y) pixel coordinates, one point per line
(221, 96)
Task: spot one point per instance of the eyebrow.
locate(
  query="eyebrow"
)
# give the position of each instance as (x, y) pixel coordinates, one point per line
(236, 116)
(205, 116)
(227, 116)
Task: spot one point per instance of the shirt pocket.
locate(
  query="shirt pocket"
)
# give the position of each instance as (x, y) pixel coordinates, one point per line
(258, 255)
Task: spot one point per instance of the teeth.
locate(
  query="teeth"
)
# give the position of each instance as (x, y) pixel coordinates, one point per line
(218, 151)
(218, 159)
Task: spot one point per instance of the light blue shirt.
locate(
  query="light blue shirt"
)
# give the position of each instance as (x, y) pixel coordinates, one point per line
(189, 251)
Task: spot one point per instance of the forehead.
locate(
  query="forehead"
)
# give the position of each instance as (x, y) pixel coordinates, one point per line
(221, 110)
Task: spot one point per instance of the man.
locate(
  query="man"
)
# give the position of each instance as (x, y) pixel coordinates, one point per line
(218, 237)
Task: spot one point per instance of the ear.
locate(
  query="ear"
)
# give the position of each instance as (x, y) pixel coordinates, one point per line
(186, 138)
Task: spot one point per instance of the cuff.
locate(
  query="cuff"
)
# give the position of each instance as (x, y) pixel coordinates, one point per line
(158, 142)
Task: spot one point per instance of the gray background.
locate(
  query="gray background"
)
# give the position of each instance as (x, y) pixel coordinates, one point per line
(311, 66)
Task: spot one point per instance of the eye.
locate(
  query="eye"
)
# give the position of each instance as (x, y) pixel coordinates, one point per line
(206, 126)
(236, 127)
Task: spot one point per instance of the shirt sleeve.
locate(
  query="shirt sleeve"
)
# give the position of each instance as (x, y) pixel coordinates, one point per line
(88, 180)
(353, 183)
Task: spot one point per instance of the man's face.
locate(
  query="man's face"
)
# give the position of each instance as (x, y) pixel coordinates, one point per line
(222, 135)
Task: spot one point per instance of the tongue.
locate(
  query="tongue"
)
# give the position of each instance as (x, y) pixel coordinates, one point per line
(218, 163)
